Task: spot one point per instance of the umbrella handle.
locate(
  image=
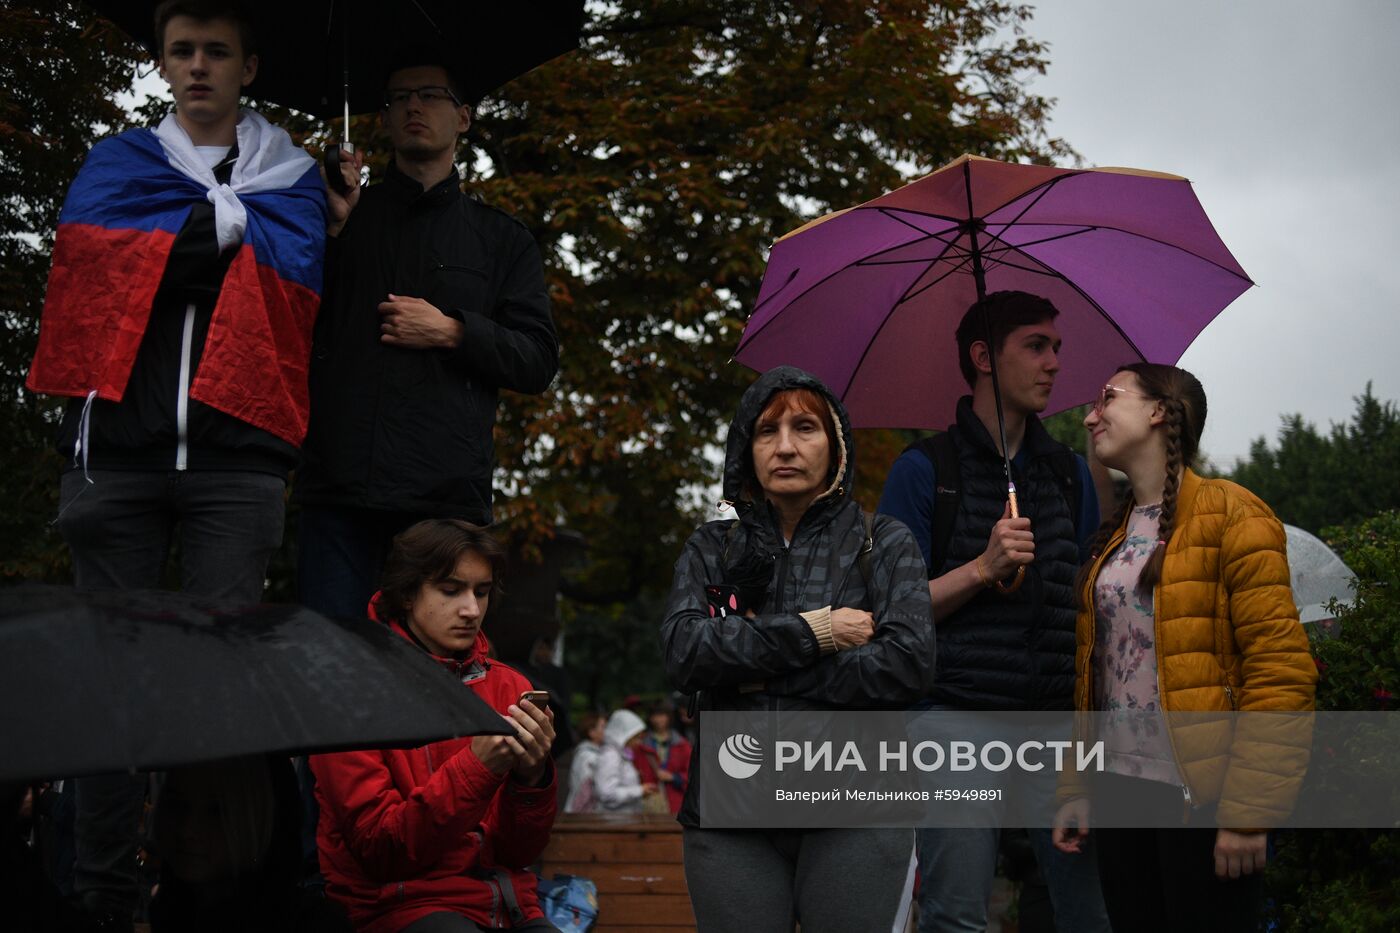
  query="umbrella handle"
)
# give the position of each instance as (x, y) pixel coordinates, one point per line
(331, 156)
(1019, 577)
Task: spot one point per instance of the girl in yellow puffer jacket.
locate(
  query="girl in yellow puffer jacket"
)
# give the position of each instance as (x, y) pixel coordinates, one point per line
(1185, 607)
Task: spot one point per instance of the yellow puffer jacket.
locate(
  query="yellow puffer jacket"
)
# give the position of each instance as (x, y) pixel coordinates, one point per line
(1227, 639)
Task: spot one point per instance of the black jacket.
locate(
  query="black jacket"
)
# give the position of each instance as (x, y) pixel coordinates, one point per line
(778, 649)
(143, 430)
(410, 430)
(1010, 652)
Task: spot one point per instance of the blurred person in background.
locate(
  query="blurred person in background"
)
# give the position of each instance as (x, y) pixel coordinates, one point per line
(664, 756)
(617, 783)
(583, 769)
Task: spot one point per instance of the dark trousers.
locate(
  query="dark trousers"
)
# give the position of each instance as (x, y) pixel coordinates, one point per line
(1163, 880)
(340, 556)
(120, 528)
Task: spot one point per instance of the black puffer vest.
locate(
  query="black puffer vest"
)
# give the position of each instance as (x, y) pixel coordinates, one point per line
(1010, 652)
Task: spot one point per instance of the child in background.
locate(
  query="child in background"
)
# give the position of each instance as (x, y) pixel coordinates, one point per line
(618, 784)
(583, 794)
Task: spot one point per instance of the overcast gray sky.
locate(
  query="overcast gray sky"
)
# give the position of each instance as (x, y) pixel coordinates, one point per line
(1284, 116)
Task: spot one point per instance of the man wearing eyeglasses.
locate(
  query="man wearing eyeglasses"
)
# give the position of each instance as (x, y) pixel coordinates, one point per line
(434, 303)
(998, 651)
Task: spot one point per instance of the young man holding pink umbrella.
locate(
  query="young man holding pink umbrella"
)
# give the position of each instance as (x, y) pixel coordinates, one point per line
(999, 651)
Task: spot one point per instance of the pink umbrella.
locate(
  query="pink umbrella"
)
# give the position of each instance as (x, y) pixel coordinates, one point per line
(868, 298)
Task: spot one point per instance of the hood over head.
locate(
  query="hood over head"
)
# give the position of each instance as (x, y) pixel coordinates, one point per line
(738, 459)
(622, 725)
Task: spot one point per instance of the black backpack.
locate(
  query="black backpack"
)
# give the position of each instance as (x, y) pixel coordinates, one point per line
(942, 452)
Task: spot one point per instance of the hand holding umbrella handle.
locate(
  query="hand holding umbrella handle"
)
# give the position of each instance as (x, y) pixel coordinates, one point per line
(1019, 577)
(334, 178)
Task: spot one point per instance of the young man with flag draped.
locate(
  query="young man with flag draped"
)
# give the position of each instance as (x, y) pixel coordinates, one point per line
(186, 278)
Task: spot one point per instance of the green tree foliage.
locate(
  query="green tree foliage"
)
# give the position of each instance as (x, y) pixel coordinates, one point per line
(1067, 427)
(1334, 881)
(613, 650)
(1359, 655)
(1343, 880)
(1315, 480)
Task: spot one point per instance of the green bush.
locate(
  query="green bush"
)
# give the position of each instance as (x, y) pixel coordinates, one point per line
(1359, 657)
(1349, 879)
(1342, 880)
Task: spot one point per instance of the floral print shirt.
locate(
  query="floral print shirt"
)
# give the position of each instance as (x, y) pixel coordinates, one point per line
(1125, 659)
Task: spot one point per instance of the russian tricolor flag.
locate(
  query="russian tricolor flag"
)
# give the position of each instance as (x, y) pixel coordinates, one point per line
(115, 233)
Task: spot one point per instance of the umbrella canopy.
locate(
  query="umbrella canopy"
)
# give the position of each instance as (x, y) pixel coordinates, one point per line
(111, 681)
(303, 47)
(868, 299)
(1318, 576)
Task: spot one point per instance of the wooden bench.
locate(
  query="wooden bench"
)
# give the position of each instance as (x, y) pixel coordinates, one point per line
(634, 859)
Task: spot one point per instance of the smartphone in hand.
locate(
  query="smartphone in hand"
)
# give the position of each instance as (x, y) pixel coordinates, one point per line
(540, 698)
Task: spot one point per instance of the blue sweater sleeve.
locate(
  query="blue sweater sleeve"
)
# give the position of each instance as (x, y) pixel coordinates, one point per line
(908, 496)
(1089, 517)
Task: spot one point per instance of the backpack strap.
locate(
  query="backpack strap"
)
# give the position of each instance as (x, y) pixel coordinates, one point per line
(942, 452)
(503, 881)
(1065, 465)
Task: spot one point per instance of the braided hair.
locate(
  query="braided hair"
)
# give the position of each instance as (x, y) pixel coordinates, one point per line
(1101, 538)
(1184, 407)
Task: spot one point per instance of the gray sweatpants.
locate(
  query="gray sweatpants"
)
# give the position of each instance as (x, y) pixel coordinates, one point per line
(829, 880)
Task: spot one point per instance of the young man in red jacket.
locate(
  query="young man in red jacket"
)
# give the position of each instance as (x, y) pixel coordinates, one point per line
(439, 838)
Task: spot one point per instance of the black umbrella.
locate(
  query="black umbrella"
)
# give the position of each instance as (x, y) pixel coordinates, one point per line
(329, 57)
(108, 681)
(326, 57)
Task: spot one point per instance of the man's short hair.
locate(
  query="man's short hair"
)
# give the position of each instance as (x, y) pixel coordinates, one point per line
(1006, 311)
(428, 552)
(425, 54)
(205, 11)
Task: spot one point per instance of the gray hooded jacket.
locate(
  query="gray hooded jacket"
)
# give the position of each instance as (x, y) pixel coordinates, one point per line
(778, 660)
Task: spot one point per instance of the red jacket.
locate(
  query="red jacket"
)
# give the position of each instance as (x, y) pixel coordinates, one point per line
(646, 758)
(405, 833)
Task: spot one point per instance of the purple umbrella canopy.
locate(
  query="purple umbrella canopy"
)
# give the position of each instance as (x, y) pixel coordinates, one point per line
(868, 298)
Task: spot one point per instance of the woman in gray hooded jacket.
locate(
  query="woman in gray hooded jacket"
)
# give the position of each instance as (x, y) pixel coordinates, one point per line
(778, 609)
